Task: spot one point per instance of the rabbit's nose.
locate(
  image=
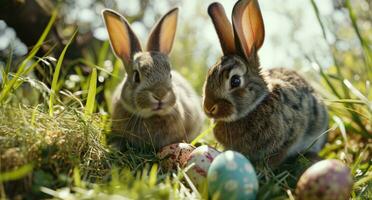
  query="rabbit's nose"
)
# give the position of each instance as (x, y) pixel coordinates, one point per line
(156, 97)
(211, 110)
(160, 97)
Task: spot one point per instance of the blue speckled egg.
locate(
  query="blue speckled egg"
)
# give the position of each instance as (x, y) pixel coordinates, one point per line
(232, 176)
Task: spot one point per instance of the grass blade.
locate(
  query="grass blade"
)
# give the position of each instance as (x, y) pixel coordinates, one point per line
(103, 51)
(346, 93)
(363, 42)
(5, 92)
(203, 134)
(153, 175)
(326, 78)
(89, 107)
(6, 71)
(16, 174)
(76, 175)
(56, 75)
(336, 63)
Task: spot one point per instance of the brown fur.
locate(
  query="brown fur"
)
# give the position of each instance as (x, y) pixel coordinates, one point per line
(154, 106)
(290, 111)
(182, 124)
(272, 114)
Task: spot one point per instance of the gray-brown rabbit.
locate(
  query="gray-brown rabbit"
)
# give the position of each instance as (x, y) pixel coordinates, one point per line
(154, 106)
(266, 115)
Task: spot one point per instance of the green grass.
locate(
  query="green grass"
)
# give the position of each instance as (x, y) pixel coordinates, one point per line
(54, 146)
(22, 71)
(64, 155)
(89, 107)
(54, 87)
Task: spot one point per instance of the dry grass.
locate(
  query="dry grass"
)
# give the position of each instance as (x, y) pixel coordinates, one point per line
(53, 144)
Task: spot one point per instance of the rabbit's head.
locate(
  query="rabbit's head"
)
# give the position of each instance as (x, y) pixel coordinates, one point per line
(234, 85)
(147, 88)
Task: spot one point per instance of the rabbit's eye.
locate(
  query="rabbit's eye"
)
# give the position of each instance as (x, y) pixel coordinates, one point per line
(136, 77)
(235, 81)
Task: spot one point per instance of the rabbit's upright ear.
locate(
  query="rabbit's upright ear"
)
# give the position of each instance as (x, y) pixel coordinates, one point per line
(162, 35)
(122, 38)
(248, 26)
(223, 28)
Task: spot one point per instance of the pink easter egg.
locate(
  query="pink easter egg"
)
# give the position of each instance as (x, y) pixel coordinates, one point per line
(200, 159)
(327, 179)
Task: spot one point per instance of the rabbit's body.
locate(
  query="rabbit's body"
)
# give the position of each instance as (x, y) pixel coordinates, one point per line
(286, 122)
(267, 115)
(154, 106)
(182, 123)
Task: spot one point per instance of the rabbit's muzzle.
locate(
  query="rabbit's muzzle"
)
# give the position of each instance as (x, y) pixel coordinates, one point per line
(159, 101)
(218, 109)
(211, 110)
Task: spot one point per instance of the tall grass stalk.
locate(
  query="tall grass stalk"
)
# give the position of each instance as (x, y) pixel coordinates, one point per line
(56, 75)
(89, 107)
(366, 48)
(349, 106)
(5, 72)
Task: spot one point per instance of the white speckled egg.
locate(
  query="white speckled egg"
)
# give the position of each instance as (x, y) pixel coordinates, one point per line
(232, 176)
(327, 179)
(173, 155)
(201, 158)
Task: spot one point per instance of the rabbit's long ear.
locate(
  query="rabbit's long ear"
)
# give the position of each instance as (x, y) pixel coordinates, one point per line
(122, 38)
(162, 35)
(248, 26)
(223, 28)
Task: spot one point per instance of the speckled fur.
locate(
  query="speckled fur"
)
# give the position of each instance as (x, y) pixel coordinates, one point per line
(287, 121)
(270, 115)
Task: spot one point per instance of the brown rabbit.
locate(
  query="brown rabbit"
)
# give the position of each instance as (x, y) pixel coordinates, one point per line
(266, 115)
(154, 106)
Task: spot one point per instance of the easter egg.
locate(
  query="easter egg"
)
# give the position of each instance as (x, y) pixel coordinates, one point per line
(327, 179)
(200, 159)
(173, 155)
(232, 176)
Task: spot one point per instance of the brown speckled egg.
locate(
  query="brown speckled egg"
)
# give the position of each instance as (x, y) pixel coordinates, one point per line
(173, 155)
(325, 180)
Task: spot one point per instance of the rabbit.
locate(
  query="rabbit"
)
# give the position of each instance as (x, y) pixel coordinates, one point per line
(266, 115)
(154, 106)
